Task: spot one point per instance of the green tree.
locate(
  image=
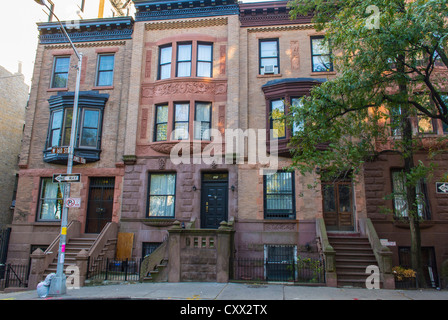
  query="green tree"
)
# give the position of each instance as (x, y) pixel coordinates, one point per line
(391, 60)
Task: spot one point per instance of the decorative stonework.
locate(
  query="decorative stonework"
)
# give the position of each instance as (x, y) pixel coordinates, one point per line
(166, 146)
(184, 87)
(280, 227)
(187, 24)
(295, 57)
(86, 45)
(282, 28)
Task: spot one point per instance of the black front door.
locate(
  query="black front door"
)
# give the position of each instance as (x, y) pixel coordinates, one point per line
(100, 204)
(214, 197)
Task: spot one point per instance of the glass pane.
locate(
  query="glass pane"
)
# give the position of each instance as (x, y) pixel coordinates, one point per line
(204, 69)
(425, 125)
(184, 52)
(67, 127)
(165, 55)
(278, 202)
(321, 63)
(329, 198)
(91, 118)
(204, 52)
(165, 71)
(51, 200)
(399, 189)
(280, 182)
(269, 62)
(162, 184)
(161, 132)
(62, 64)
(57, 120)
(182, 112)
(105, 78)
(55, 135)
(89, 138)
(106, 63)
(278, 126)
(268, 49)
(162, 114)
(202, 130)
(184, 69)
(345, 202)
(180, 131)
(203, 112)
(297, 103)
(319, 46)
(60, 80)
(161, 206)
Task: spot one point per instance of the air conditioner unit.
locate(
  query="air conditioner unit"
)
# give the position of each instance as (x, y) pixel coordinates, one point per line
(269, 69)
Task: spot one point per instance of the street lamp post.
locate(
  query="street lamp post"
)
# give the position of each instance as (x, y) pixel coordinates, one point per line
(58, 284)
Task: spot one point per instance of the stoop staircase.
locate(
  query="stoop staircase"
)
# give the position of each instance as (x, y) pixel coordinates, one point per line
(353, 254)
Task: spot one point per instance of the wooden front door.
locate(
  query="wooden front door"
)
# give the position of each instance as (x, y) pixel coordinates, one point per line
(337, 206)
(100, 204)
(214, 198)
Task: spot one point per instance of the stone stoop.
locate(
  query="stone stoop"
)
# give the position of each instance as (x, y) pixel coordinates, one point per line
(353, 255)
(72, 248)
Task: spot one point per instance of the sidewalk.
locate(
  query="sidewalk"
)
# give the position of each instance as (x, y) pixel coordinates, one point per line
(229, 291)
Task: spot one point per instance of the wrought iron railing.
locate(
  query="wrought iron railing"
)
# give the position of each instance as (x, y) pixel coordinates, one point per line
(114, 270)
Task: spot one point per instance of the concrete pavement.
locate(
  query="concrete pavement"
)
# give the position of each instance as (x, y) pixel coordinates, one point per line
(229, 291)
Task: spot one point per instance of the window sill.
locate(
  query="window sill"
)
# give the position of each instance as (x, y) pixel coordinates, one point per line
(278, 75)
(103, 88)
(323, 73)
(57, 89)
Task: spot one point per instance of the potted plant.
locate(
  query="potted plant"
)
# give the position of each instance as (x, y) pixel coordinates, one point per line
(404, 278)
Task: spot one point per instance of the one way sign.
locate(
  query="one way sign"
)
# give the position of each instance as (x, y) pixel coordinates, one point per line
(65, 177)
(442, 187)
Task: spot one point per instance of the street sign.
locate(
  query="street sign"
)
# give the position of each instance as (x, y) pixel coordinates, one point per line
(65, 177)
(73, 202)
(79, 159)
(60, 150)
(442, 187)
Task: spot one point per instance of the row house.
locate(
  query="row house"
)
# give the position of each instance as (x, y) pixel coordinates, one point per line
(165, 100)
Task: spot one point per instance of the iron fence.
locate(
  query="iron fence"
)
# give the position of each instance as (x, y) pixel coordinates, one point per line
(300, 270)
(14, 275)
(114, 270)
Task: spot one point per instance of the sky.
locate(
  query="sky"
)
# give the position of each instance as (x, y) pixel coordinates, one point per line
(19, 35)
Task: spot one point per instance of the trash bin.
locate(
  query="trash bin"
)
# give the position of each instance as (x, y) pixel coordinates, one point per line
(44, 286)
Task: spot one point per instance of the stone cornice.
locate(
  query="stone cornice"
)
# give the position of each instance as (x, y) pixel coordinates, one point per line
(86, 45)
(282, 28)
(106, 29)
(166, 10)
(187, 24)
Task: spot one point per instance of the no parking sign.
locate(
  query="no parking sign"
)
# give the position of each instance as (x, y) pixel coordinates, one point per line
(73, 202)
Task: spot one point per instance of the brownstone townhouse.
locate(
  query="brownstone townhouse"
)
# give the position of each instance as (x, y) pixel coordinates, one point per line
(170, 184)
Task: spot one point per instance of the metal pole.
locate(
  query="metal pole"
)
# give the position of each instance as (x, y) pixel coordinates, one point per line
(58, 283)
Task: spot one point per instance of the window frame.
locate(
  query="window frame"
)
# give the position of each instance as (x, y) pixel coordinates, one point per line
(160, 64)
(329, 54)
(260, 57)
(156, 124)
(98, 71)
(210, 44)
(271, 120)
(190, 43)
(175, 104)
(41, 199)
(54, 73)
(280, 215)
(209, 104)
(148, 203)
(425, 211)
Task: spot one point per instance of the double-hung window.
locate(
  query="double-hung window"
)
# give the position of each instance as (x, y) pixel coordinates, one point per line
(51, 200)
(297, 103)
(321, 55)
(161, 126)
(279, 195)
(278, 122)
(161, 195)
(203, 121)
(61, 67)
(184, 60)
(269, 56)
(165, 62)
(105, 70)
(181, 121)
(205, 58)
(401, 208)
